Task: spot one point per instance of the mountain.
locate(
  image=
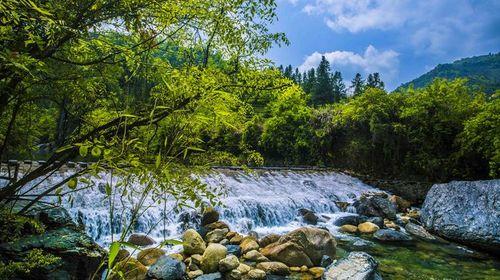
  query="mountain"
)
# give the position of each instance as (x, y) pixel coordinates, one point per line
(482, 71)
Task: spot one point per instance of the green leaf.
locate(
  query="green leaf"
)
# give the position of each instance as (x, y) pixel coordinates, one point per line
(113, 252)
(72, 183)
(158, 160)
(83, 151)
(171, 242)
(108, 189)
(96, 151)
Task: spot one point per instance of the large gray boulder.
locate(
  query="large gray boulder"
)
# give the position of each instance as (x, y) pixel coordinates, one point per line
(375, 205)
(466, 212)
(356, 266)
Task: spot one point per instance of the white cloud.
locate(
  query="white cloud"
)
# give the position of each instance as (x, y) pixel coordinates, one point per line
(433, 26)
(372, 60)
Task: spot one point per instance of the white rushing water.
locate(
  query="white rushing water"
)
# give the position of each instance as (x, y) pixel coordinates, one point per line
(263, 201)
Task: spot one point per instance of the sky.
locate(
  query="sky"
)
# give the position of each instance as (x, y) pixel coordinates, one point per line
(400, 39)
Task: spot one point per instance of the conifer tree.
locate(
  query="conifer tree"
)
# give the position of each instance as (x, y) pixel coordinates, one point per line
(323, 92)
(339, 89)
(357, 85)
(374, 81)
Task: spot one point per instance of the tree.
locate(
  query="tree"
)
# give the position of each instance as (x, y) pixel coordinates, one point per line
(357, 85)
(374, 81)
(297, 77)
(323, 92)
(339, 90)
(310, 81)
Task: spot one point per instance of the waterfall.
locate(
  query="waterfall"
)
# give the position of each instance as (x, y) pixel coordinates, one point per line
(263, 201)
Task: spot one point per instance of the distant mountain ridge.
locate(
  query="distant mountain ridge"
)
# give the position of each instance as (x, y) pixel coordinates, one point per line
(483, 73)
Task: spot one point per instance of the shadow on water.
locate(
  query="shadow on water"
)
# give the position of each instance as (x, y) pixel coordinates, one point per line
(420, 259)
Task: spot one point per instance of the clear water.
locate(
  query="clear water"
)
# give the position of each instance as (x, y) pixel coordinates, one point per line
(267, 202)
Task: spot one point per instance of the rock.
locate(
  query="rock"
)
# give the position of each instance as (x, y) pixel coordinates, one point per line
(256, 274)
(315, 242)
(342, 205)
(122, 254)
(216, 235)
(192, 242)
(228, 263)
(195, 273)
(375, 204)
(210, 276)
(167, 268)
(177, 256)
(326, 261)
(308, 216)
(276, 268)
(466, 212)
(379, 221)
(349, 228)
(414, 214)
(196, 259)
(217, 225)
(189, 219)
(268, 239)
(294, 269)
(419, 231)
(357, 265)
(234, 250)
(254, 234)
(368, 227)
(304, 268)
(347, 220)
(248, 244)
(224, 242)
(233, 275)
(391, 235)
(130, 268)
(79, 254)
(317, 272)
(51, 217)
(391, 224)
(211, 257)
(255, 256)
(400, 203)
(230, 235)
(149, 256)
(140, 239)
(244, 268)
(289, 253)
(236, 239)
(210, 215)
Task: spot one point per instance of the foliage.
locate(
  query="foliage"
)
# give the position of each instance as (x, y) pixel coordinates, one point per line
(13, 226)
(35, 260)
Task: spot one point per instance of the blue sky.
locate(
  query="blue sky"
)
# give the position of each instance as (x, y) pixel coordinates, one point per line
(401, 39)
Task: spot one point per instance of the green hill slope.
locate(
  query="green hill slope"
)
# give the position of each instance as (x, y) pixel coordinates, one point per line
(482, 71)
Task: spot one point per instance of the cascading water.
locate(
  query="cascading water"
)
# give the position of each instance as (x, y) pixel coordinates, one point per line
(263, 201)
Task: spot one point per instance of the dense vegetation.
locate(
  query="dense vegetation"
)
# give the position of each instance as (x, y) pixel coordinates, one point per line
(482, 72)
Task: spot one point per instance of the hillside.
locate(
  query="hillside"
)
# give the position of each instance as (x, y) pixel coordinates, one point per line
(482, 71)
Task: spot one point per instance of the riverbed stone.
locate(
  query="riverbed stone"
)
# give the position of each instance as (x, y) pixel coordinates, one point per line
(357, 265)
(400, 203)
(140, 239)
(244, 268)
(419, 231)
(467, 212)
(149, 256)
(276, 268)
(390, 235)
(193, 242)
(256, 274)
(211, 257)
(217, 225)
(315, 242)
(347, 220)
(289, 253)
(167, 268)
(130, 268)
(233, 275)
(228, 263)
(248, 244)
(210, 215)
(375, 204)
(255, 256)
(268, 239)
(233, 250)
(236, 239)
(211, 276)
(368, 227)
(317, 272)
(308, 216)
(194, 273)
(349, 229)
(216, 235)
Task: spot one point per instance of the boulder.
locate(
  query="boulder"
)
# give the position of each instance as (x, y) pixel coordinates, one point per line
(317, 272)
(140, 239)
(216, 235)
(276, 268)
(233, 250)
(466, 212)
(357, 265)
(210, 215)
(195, 273)
(211, 257)
(248, 244)
(167, 268)
(217, 225)
(255, 256)
(256, 274)
(236, 239)
(193, 242)
(130, 269)
(315, 242)
(150, 256)
(349, 229)
(400, 203)
(368, 227)
(419, 231)
(122, 254)
(233, 275)
(390, 235)
(347, 220)
(308, 216)
(79, 254)
(379, 221)
(289, 253)
(244, 268)
(228, 263)
(268, 239)
(375, 205)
